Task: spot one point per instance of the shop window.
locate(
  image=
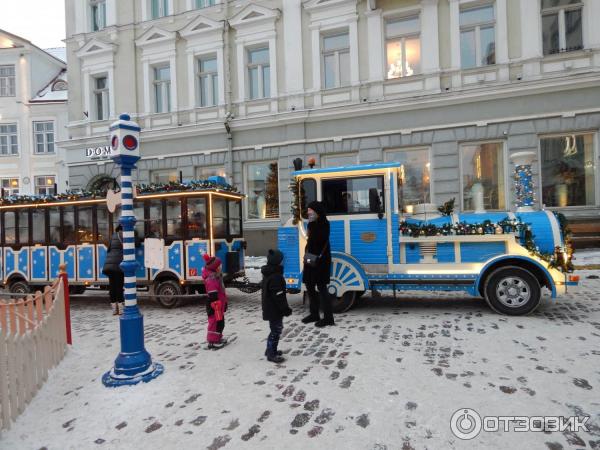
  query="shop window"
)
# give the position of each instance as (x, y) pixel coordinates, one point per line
(483, 177)
(568, 170)
(362, 195)
(263, 190)
(414, 177)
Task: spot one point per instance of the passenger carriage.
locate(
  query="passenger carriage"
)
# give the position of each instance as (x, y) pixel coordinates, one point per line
(508, 258)
(39, 234)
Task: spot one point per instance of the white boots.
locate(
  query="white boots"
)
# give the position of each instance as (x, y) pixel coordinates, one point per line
(117, 308)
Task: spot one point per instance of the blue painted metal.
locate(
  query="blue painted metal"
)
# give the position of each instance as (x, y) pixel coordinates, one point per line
(352, 261)
(395, 238)
(85, 267)
(445, 252)
(541, 228)
(481, 251)
(175, 258)
(288, 244)
(39, 259)
(347, 168)
(221, 250)
(366, 252)
(101, 257)
(485, 268)
(133, 364)
(195, 262)
(413, 253)
(337, 238)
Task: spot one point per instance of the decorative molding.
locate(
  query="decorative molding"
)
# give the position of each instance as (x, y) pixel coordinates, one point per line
(200, 26)
(96, 47)
(155, 36)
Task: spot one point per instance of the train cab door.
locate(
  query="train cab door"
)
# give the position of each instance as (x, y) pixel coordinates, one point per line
(356, 208)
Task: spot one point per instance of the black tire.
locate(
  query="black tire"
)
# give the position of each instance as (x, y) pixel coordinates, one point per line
(168, 288)
(343, 303)
(513, 291)
(19, 287)
(76, 290)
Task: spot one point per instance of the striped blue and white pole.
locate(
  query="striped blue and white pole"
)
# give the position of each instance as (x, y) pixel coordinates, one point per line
(133, 364)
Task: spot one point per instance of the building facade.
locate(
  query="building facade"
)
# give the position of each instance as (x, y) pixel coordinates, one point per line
(449, 88)
(33, 117)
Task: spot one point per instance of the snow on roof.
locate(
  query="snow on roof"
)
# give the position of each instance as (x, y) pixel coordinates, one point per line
(58, 53)
(50, 93)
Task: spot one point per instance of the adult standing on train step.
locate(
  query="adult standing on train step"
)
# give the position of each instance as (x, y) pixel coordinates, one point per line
(317, 266)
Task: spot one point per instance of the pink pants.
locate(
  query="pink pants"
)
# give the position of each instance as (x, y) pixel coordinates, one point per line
(214, 333)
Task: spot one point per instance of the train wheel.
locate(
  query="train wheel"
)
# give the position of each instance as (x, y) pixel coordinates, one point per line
(167, 292)
(19, 287)
(513, 291)
(343, 303)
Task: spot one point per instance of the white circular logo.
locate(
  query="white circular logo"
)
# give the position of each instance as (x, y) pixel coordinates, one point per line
(465, 423)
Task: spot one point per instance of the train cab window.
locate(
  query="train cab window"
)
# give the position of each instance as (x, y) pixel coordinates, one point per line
(138, 210)
(308, 193)
(235, 217)
(68, 227)
(196, 218)
(10, 235)
(155, 223)
(173, 213)
(102, 221)
(54, 225)
(219, 217)
(23, 226)
(362, 195)
(85, 228)
(38, 228)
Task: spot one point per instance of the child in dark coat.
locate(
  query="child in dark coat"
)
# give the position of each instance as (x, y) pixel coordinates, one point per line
(274, 302)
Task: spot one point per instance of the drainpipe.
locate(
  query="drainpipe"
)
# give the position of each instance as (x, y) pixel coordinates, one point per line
(227, 86)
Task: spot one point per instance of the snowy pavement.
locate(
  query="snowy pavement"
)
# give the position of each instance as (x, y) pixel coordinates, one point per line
(388, 376)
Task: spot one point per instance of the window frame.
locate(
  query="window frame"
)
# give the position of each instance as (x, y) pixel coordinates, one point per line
(102, 94)
(8, 83)
(164, 9)
(10, 189)
(402, 37)
(246, 217)
(505, 174)
(95, 7)
(197, 170)
(596, 156)
(37, 186)
(260, 68)
(562, 37)
(207, 4)
(476, 28)
(9, 141)
(162, 172)
(336, 52)
(211, 77)
(162, 86)
(358, 213)
(45, 141)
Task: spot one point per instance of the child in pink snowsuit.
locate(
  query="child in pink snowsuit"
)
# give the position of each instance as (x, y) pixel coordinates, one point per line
(216, 305)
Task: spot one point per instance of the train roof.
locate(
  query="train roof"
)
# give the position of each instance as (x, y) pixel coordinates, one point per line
(353, 168)
(172, 189)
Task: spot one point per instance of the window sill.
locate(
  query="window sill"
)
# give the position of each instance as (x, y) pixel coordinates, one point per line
(255, 224)
(567, 55)
(407, 79)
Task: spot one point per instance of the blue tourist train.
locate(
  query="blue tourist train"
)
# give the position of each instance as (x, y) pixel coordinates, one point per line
(505, 257)
(40, 233)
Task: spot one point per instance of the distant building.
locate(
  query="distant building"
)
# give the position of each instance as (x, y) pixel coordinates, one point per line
(449, 88)
(33, 117)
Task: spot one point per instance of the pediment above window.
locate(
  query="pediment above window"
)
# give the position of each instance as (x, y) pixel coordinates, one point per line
(96, 47)
(200, 25)
(325, 4)
(254, 14)
(155, 36)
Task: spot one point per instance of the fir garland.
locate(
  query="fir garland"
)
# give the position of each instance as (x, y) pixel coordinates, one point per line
(70, 195)
(447, 208)
(176, 186)
(295, 206)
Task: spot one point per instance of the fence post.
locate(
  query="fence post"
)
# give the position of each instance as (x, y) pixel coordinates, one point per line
(65, 280)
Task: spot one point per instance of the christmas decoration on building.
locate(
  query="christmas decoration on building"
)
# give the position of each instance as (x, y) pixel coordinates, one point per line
(447, 208)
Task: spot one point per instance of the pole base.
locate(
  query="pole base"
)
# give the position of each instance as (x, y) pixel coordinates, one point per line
(111, 379)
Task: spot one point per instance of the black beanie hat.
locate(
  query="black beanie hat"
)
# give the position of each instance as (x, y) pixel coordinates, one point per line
(318, 207)
(274, 257)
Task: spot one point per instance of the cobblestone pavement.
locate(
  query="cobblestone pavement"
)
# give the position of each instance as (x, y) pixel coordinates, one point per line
(388, 376)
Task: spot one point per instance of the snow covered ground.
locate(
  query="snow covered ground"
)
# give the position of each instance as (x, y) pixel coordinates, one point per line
(587, 257)
(252, 267)
(388, 376)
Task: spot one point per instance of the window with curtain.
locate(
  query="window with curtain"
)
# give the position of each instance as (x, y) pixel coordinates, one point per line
(259, 73)
(208, 81)
(403, 46)
(562, 29)
(568, 170)
(336, 59)
(204, 3)
(483, 182)
(98, 9)
(414, 177)
(159, 8)
(162, 89)
(477, 36)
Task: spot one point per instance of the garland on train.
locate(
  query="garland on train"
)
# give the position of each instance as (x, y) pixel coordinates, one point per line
(153, 188)
(557, 260)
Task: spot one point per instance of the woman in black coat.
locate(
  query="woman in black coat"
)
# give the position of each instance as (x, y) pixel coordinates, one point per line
(112, 269)
(318, 276)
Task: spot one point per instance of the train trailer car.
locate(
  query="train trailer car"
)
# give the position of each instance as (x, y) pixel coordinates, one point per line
(40, 233)
(507, 258)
